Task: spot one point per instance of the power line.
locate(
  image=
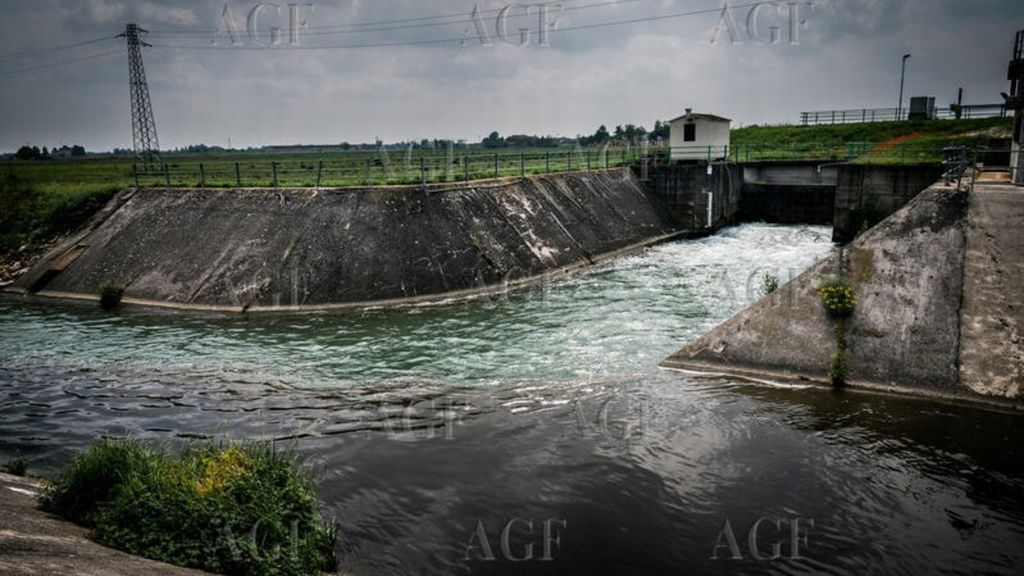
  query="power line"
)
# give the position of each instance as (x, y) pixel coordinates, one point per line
(61, 63)
(33, 52)
(581, 27)
(460, 15)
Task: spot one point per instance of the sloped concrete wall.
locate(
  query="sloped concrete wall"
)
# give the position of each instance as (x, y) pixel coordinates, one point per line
(288, 249)
(905, 334)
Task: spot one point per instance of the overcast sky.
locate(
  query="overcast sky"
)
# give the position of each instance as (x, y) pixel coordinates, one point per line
(846, 55)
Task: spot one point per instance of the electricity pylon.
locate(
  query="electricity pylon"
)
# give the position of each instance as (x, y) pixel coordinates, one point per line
(147, 148)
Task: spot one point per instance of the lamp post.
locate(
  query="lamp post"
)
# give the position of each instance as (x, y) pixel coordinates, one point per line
(903, 75)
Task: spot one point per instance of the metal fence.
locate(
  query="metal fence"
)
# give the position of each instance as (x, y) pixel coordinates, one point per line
(377, 169)
(863, 115)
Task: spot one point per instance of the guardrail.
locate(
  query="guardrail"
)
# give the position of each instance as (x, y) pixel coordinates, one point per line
(865, 115)
(377, 169)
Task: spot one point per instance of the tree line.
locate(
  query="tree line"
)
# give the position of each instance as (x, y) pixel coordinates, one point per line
(628, 134)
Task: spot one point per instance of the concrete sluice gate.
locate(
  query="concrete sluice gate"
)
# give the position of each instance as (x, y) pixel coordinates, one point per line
(297, 249)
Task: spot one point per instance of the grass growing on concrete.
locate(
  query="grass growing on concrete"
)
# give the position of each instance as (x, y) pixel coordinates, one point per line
(839, 298)
(232, 508)
(16, 467)
(110, 294)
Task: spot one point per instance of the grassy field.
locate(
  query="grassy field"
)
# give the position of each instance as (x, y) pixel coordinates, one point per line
(873, 143)
(43, 198)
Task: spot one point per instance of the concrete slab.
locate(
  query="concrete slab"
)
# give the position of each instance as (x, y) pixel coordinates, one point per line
(34, 543)
(992, 315)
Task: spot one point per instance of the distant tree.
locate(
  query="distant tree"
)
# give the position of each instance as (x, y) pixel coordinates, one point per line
(494, 140)
(28, 153)
(661, 130)
(77, 151)
(620, 134)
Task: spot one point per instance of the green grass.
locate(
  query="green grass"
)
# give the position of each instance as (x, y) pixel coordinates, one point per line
(16, 467)
(231, 508)
(919, 141)
(41, 199)
(33, 211)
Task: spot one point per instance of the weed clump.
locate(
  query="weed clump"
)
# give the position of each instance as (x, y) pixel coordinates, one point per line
(232, 509)
(110, 294)
(839, 298)
(16, 467)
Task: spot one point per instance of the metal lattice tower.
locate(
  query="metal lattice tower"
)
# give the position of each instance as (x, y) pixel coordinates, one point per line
(147, 148)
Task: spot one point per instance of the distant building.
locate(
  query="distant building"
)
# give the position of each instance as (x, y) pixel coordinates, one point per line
(699, 136)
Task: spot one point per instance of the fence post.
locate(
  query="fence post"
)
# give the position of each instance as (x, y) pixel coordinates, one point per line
(522, 164)
(319, 172)
(423, 171)
(547, 161)
(238, 175)
(273, 169)
(202, 175)
(496, 166)
(588, 159)
(135, 174)
(369, 176)
(167, 175)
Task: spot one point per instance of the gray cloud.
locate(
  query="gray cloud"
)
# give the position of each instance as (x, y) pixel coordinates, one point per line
(849, 56)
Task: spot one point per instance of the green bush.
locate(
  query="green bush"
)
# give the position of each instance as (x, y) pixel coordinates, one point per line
(232, 509)
(110, 294)
(16, 467)
(838, 297)
(769, 283)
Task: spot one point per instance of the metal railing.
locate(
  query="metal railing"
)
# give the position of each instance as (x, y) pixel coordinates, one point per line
(865, 115)
(378, 169)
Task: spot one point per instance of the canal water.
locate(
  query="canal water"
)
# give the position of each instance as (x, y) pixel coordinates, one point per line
(532, 433)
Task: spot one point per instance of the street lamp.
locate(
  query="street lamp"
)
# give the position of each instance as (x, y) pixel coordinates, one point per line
(903, 75)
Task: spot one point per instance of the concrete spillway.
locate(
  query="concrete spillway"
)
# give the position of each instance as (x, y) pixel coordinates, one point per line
(940, 285)
(304, 249)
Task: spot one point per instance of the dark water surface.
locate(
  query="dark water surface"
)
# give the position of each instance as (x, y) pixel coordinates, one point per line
(434, 430)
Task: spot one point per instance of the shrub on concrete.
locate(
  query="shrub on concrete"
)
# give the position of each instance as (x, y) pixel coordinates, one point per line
(16, 467)
(769, 283)
(838, 297)
(110, 294)
(232, 509)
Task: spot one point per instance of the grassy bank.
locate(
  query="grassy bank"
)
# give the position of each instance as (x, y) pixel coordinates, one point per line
(34, 211)
(873, 142)
(40, 199)
(233, 509)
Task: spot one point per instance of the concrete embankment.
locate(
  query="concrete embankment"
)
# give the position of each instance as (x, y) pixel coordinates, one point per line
(34, 543)
(939, 285)
(272, 249)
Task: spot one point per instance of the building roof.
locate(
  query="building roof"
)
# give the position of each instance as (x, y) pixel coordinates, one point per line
(696, 116)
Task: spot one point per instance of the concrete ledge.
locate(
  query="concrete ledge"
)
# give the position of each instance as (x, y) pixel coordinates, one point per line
(34, 543)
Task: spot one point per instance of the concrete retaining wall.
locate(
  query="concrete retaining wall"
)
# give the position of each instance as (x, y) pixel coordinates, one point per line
(684, 188)
(867, 194)
(287, 249)
(928, 321)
